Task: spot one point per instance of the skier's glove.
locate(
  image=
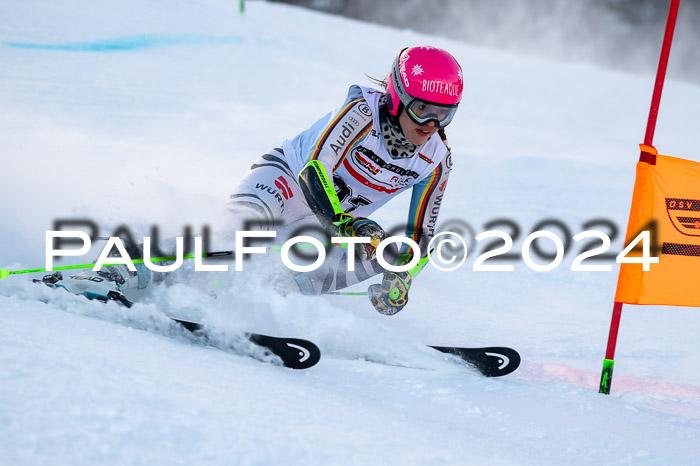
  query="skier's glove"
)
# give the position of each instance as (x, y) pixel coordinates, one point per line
(392, 295)
(106, 284)
(349, 226)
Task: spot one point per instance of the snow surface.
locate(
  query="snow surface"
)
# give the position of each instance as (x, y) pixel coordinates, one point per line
(147, 113)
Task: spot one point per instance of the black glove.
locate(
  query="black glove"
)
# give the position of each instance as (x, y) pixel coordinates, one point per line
(392, 295)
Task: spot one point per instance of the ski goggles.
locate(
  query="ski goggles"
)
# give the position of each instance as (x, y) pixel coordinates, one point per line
(423, 112)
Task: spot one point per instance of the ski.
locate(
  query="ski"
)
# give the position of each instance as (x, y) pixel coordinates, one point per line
(295, 353)
(491, 361)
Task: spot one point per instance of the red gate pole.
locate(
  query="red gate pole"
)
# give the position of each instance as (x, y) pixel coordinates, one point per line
(648, 157)
(661, 72)
(609, 362)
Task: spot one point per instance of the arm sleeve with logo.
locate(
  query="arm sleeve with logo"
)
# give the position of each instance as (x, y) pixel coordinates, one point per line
(426, 200)
(345, 129)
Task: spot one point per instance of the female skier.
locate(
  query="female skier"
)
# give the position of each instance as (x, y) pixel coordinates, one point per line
(339, 172)
(354, 160)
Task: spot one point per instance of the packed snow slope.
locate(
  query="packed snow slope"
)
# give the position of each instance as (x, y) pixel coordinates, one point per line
(146, 113)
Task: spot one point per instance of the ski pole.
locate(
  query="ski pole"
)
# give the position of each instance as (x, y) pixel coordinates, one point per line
(394, 291)
(5, 273)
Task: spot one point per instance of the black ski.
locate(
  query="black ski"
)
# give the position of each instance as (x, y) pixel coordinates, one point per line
(294, 352)
(492, 361)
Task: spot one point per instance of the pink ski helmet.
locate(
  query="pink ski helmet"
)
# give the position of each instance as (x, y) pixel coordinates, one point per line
(428, 82)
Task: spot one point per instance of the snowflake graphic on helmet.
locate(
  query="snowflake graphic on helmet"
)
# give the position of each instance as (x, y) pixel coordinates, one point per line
(424, 73)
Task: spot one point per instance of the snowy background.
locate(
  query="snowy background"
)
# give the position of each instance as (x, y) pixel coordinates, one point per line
(145, 113)
(619, 34)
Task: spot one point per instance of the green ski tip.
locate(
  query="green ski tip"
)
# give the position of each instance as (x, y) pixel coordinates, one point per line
(4, 273)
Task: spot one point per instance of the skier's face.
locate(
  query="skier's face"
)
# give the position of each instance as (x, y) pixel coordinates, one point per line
(415, 133)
